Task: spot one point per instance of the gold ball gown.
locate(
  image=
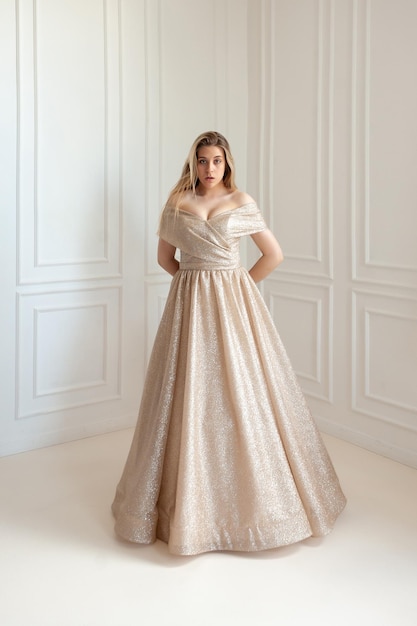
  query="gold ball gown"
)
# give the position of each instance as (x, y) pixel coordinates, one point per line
(225, 455)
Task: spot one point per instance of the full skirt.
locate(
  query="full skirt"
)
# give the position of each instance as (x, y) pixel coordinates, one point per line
(225, 455)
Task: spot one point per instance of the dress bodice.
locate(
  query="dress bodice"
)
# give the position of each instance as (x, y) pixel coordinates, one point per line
(211, 243)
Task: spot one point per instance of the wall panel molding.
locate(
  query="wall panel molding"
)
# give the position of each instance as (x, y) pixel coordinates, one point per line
(368, 109)
(153, 197)
(68, 350)
(222, 63)
(318, 263)
(43, 180)
(303, 302)
(384, 368)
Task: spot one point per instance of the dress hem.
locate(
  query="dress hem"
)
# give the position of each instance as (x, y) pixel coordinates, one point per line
(223, 540)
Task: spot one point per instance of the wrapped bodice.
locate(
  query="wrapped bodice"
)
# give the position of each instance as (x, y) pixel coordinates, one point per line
(211, 243)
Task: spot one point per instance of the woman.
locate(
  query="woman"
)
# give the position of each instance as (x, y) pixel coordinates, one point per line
(225, 455)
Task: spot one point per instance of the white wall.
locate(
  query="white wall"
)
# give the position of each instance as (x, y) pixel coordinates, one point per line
(101, 100)
(337, 152)
(317, 99)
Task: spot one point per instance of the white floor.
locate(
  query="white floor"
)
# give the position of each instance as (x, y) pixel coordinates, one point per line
(60, 564)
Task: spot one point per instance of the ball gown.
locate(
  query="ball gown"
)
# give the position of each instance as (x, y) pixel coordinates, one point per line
(226, 454)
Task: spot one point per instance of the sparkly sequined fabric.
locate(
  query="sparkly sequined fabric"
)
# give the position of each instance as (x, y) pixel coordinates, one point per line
(225, 455)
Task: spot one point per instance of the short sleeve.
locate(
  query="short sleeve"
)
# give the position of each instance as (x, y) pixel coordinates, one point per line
(247, 220)
(166, 229)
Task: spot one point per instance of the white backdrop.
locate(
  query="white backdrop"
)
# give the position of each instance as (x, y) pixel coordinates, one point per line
(101, 100)
(337, 159)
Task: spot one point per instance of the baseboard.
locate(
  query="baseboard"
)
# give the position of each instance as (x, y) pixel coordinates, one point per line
(363, 440)
(54, 438)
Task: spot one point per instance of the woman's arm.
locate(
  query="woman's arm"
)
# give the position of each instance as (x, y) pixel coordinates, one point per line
(271, 255)
(166, 257)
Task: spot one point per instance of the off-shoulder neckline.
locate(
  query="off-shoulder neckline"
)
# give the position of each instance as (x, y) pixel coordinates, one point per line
(213, 217)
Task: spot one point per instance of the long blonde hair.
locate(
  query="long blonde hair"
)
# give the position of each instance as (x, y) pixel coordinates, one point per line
(189, 180)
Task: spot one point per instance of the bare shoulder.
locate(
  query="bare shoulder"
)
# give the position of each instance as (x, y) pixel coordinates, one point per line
(185, 200)
(240, 198)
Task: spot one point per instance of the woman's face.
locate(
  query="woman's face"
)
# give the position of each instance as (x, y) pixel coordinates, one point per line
(211, 165)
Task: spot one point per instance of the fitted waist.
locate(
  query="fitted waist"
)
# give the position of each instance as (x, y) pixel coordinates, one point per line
(201, 265)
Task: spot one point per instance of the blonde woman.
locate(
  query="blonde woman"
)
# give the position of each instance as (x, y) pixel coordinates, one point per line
(225, 455)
